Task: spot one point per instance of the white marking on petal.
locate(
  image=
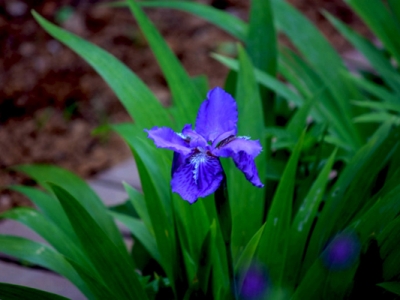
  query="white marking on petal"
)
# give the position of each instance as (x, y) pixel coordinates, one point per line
(182, 135)
(244, 137)
(196, 160)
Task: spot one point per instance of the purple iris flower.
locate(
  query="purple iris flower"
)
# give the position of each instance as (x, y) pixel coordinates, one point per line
(342, 252)
(196, 169)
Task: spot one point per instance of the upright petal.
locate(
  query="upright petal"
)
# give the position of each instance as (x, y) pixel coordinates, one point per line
(165, 137)
(217, 114)
(245, 163)
(198, 177)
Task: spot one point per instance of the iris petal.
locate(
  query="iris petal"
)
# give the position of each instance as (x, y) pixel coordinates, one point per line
(233, 146)
(217, 114)
(245, 163)
(165, 137)
(199, 176)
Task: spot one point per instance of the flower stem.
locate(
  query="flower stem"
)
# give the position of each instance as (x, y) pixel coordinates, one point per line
(225, 223)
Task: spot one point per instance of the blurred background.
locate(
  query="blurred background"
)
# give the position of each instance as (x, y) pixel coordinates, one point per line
(51, 101)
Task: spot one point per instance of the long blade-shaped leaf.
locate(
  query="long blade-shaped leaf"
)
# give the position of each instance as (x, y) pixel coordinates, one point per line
(80, 190)
(185, 95)
(272, 249)
(246, 200)
(381, 22)
(303, 221)
(113, 265)
(140, 232)
(42, 255)
(50, 207)
(138, 100)
(227, 22)
(17, 292)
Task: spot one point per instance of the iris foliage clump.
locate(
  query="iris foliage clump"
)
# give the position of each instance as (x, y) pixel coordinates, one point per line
(321, 217)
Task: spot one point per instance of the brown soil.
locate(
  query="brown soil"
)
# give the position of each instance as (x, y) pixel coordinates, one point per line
(51, 100)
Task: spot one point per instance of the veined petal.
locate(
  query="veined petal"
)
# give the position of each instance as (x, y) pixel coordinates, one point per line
(165, 137)
(199, 176)
(217, 114)
(245, 163)
(235, 145)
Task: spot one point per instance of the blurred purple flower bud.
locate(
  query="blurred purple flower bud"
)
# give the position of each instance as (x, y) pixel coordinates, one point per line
(254, 283)
(342, 252)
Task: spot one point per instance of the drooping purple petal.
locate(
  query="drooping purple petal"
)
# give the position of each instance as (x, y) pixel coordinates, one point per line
(235, 145)
(199, 176)
(165, 137)
(245, 163)
(217, 114)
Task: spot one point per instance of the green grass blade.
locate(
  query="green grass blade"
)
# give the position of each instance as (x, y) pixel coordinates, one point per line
(138, 100)
(80, 190)
(17, 292)
(376, 90)
(227, 22)
(49, 206)
(140, 232)
(375, 57)
(42, 255)
(185, 95)
(139, 203)
(261, 45)
(381, 22)
(356, 179)
(154, 166)
(48, 231)
(303, 221)
(247, 256)
(273, 245)
(263, 78)
(326, 62)
(251, 123)
(393, 287)
(113, 265)
(261, 38)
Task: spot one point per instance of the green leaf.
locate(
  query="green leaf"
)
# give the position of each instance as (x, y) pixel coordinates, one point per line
(42, 255)
(184, 93)
(251, 123)
(17, 292)
(247, 256)
(140, 232)
(326, 107)
(49, 206)
(375, 56)
(376, 90)
(79, 190)
(139, 203)
(261, 37)
(113, 265)
(138, 100)
(378, 117)
(325, 61)
(50, 232)
(154, 166)
(273, 246)
(393, 287)
(263, 78)
(303, 220)
(227, 22)
(381, 22)
(357, 178)
(261, 45)
(378, 105)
